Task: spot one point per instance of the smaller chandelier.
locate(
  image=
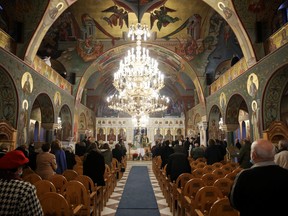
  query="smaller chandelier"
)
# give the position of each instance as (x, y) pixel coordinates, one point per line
(138, 105)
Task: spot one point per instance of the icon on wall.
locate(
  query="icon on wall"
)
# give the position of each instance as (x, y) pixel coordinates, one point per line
(57, 99)
(222, 100)
(27, 83)
(252, 85)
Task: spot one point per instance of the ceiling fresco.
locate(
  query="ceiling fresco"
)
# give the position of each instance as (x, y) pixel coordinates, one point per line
(90, 39)
(189, 40)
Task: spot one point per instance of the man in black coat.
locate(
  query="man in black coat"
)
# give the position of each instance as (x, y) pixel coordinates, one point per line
(94, 165)
(261, 189)
(178, 163)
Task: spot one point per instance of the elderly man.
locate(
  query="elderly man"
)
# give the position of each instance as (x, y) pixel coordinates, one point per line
(259, 190)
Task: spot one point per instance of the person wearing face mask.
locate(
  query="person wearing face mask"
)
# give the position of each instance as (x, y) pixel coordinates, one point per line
(16, 196)
(260, 190)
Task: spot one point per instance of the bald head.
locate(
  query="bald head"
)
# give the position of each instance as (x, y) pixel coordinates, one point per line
(262, 150)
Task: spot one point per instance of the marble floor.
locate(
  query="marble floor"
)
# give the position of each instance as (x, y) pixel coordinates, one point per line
(112, 204)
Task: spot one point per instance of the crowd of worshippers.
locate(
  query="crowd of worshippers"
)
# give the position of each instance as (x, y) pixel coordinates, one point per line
(256, 190)
(54, 158)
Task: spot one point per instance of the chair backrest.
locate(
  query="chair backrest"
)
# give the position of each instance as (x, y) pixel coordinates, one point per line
(87, 182)
(59, 181)
(224, 185)
(222, 207)
(32, 178)
(209, 178)
(183, 179)
(79, 161)
(231, 176)
(209, 168)
(78, 168)
(217, 165)
(55, 204)
(219, 172)
(192, 187)
(200, 164)
(237, 170)
(76, 194)
(201, 159)
(206, 196)
(227, 167)
(70, 174)
(27, 171)
(44, 186)
(198, 172)
(115, 164)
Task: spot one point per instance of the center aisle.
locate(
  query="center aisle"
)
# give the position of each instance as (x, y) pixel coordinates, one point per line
(113, 203)
(138, 197)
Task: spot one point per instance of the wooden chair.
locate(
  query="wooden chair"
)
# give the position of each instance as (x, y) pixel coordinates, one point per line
(76, 194)
(224, 185)
(220, 173)
(78, 168)
(55, 204)
(227, 167)
(96, 193)
(177, 188)
(116, 167)
(58, 181)
(221, 207)
(231, 176)
(201, 159)
(209, 178)
(198, 173)
(79, 161)
(32, 178)
(44, 186)
(201, 164)
(187, 199)
(208, 168)
(205, 198)
(217, 165)
(237, 170)
(193, 164)
(70, 174)
(27, 171)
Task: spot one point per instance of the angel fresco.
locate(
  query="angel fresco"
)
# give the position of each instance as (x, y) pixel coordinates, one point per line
(119, 16)
(163, 18)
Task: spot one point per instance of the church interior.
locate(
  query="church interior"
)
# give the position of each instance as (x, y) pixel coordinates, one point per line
(221, 69)
(224, 65)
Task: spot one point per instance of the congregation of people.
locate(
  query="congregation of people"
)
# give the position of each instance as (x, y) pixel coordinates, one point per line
(256, 188)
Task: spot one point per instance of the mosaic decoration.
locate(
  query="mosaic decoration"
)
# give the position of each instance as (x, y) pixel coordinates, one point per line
(252, 85)
(27, 83)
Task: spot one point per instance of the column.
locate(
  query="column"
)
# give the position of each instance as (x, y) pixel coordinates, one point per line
(203, 132)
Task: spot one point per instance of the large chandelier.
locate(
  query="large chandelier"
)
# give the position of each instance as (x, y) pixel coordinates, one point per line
(138, 73)
(138, 80)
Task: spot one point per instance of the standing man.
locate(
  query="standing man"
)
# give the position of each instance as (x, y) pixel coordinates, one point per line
(260, 190)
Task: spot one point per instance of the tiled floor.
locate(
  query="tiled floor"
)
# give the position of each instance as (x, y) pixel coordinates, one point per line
(112, 204)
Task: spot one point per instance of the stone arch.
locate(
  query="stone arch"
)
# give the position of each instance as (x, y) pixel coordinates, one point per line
(213, 123)
(66, 123)
(275, 98)
(9, 106)
(41, 119)
(233, 121)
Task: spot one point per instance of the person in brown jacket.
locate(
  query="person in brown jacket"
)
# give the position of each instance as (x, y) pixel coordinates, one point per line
(46, 162)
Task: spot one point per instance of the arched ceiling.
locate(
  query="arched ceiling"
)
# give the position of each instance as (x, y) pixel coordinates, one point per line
(189, 40)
